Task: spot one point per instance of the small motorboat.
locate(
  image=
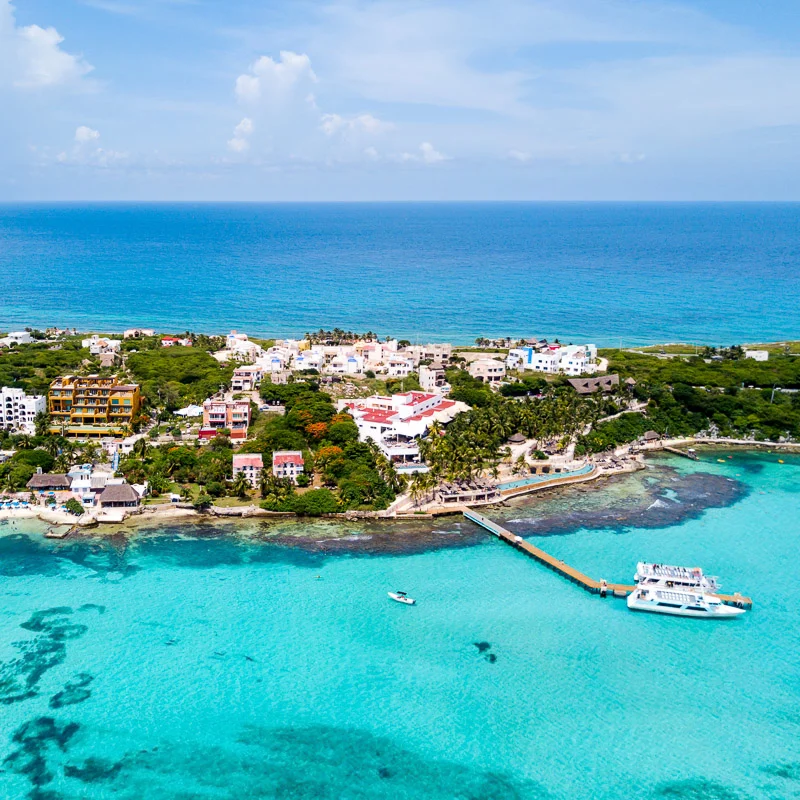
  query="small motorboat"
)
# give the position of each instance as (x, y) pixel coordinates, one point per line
(402, 597)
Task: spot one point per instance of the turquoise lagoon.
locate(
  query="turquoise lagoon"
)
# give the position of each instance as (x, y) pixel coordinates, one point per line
(183, 666)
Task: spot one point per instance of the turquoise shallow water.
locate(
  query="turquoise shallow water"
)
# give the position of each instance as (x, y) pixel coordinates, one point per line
(183, 667)
(715, 273)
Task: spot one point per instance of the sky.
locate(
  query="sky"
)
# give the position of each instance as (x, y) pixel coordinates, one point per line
(399, 100)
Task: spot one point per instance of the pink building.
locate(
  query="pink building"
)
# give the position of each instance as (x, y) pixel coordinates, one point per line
(231, 414)
(287, 464)
(250, 465)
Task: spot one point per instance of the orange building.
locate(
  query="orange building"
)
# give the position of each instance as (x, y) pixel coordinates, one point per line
(92, 407)
(233, 415)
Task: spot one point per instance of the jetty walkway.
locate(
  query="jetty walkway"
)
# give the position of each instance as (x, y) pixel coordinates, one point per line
(601, 587)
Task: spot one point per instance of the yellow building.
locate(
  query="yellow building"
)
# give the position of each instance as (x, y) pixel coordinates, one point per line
(91, 406)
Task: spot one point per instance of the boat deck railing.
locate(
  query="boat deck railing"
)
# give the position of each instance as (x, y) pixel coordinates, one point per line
(601, 587)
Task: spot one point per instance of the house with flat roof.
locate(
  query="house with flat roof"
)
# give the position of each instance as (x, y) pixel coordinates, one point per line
(488, 370)
(138, 333)
(554, 359)
(220, 413)
(18, 410)
(432, 378)
(16, 337)
(247, 378)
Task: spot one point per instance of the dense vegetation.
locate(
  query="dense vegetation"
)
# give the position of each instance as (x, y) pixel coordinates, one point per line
(33, 367)
(174, 376)
(728, 373)
(475, 440)
(733, 397)
(18, 470)
(359, 474)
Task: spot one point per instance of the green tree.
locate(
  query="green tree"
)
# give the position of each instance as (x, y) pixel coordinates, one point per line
(240, 487)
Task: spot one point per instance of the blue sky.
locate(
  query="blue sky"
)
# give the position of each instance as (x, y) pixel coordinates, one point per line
(398, 99)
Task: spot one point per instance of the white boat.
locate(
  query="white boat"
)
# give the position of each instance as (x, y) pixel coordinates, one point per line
(665, 575)
(681, 603)
(402, 597)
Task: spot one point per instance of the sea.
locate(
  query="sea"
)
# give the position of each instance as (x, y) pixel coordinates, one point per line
(248, 661)
(617, 274)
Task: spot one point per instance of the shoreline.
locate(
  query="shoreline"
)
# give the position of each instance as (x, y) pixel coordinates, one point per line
(176, 514)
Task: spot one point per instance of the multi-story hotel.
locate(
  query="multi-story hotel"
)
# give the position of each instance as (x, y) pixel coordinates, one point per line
(91, 406)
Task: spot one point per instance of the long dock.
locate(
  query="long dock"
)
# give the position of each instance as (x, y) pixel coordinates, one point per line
(602, 587)
(678, 452)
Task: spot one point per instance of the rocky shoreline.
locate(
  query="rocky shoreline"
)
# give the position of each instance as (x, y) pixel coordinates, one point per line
(147, 516)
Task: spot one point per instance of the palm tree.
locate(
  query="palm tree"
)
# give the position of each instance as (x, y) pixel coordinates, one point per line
(41, 423)
(140, 448)
(240, 486)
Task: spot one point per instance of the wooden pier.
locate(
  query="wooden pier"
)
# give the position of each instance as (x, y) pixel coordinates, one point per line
(602, 587)
(678, 452)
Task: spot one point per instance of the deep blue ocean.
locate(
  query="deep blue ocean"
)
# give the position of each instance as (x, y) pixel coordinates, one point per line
(609, 273)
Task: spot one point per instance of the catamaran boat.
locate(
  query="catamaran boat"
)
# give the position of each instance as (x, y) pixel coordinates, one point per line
(402, 597)
(669, 577)
(679, 602)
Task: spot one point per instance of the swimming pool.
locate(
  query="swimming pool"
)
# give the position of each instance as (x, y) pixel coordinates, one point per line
(531, 480)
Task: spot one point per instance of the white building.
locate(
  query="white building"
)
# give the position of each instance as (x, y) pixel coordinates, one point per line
(101, 344)
(428, 352)
(555, 359)
(397, 367)
(87, 482)
(309, 359)
(488, 370)
(239, 347)
(247, 378)
(287, 464)
(18, 410)
(250, 465)
(432, 378)
(757, 355)
(137, 333)
(345, 365)
(395, 422)
(16, 337)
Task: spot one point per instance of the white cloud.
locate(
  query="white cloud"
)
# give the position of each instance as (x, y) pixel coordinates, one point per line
(31, 56)
(275, 79)
(631, 158)
(371, 153)
(520, 155)
(241, 136)
(333, 124)
(428, 154)
(85, 134)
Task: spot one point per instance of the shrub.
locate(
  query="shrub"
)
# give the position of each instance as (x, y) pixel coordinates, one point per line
(215, 488)
(74, 507)
(315, 503)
